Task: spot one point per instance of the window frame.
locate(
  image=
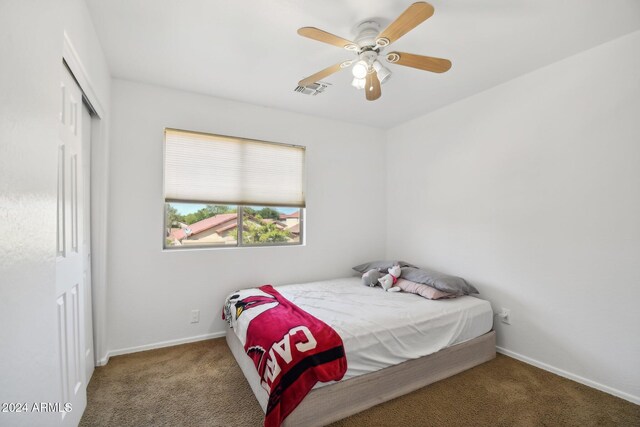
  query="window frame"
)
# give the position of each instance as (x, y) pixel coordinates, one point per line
(239, 207)
(239, 241)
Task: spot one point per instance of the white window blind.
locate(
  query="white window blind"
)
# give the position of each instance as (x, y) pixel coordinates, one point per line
(206, 168)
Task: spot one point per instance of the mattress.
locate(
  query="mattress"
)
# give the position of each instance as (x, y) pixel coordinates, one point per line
(381, 329)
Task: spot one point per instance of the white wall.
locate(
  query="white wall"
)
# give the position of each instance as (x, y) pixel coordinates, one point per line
(31, 46)
(531, 190)
(151, 291)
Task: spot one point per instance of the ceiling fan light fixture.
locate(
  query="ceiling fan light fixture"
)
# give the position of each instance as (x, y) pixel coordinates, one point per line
(370, 42)
(383, 72)
(358, 83)
(360, 69)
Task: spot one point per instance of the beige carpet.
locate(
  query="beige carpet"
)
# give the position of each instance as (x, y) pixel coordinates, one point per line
(200, 384)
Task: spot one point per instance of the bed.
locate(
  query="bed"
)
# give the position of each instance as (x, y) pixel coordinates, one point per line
(394, 342)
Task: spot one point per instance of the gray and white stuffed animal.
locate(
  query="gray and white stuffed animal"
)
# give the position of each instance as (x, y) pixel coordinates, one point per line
(390, 279)
(370, 278)
(373, 277)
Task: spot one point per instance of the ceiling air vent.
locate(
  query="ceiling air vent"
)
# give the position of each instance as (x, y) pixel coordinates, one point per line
(313, 88)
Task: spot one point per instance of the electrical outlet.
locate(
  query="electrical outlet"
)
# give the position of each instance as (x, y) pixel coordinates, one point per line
(195, 316)
(505, 315)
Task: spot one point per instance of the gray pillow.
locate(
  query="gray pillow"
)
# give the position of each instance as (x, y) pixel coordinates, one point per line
(439, 281)
(381, 266)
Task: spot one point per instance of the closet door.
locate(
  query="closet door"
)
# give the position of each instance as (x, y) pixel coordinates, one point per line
(70, 269)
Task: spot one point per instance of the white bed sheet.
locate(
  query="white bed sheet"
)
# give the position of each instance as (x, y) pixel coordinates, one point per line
(381, 329)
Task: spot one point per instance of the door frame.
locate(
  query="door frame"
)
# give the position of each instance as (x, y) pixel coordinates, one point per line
(99, 199)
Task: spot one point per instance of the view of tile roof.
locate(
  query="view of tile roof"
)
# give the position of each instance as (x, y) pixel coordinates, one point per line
(226, 227)
(177, 234)
(205, 224)
(296, 214)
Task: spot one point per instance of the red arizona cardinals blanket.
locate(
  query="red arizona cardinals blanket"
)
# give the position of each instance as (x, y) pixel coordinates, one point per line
(292, 350)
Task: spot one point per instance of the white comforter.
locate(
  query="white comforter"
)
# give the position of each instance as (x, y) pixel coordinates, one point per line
(380, 329)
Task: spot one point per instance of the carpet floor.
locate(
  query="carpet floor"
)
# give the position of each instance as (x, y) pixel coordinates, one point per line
(200, 384)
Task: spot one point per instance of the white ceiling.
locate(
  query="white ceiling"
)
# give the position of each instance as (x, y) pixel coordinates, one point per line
(249, 50)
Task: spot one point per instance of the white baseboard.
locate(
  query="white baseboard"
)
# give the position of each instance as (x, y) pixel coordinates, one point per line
(103, 361)
(577, 378)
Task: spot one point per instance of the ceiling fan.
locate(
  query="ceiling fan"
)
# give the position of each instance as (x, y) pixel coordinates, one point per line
(368, 72)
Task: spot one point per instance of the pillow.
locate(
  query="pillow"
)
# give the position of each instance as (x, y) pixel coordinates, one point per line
(442, 282)
(381, 266)
(423, 290)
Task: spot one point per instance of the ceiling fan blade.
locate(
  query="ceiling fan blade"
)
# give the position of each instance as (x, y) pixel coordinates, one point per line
(324, 73)
(410, 18)
(427, 63)
(323, 36)
(372, 86)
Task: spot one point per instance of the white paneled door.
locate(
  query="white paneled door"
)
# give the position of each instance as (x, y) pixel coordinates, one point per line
(72, 253)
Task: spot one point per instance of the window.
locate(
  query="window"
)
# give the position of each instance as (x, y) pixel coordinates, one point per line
(225, 191)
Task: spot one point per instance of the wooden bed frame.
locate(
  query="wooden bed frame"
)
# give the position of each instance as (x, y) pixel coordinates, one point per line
(335, 401)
